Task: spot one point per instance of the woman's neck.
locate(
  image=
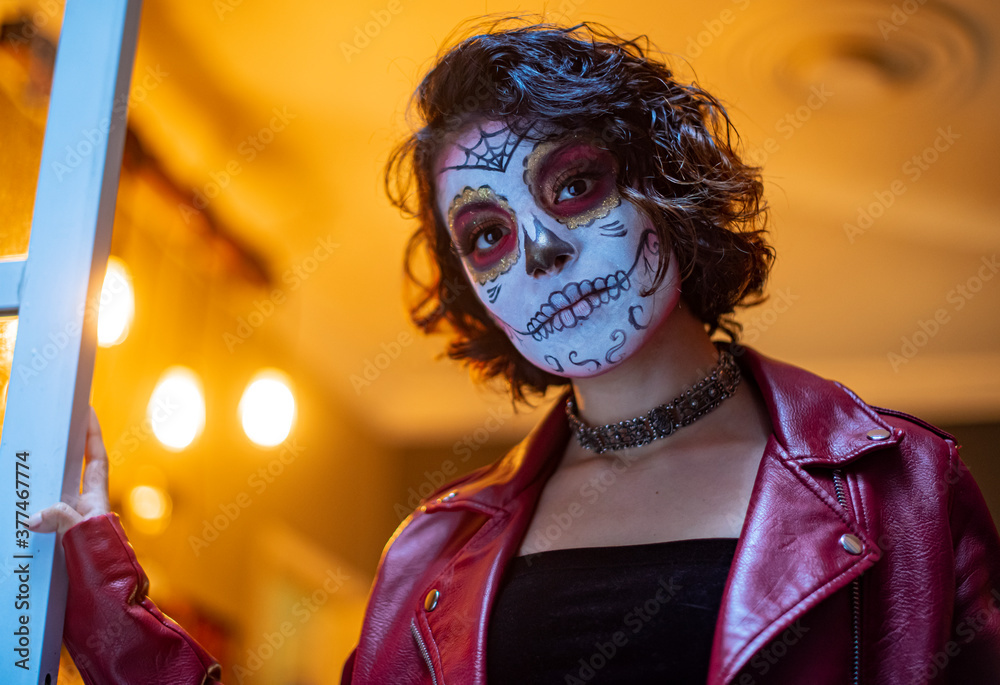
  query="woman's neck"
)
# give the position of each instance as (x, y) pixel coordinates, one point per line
(678, 355)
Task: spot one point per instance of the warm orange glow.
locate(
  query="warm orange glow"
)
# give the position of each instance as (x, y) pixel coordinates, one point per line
(8, 332)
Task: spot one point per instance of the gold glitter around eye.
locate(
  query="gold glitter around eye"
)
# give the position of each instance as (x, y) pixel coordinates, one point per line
(533, 164)
(485, 194)
(502, 267)
(592, 215)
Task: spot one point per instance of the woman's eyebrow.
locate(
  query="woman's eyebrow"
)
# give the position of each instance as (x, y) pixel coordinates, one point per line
(457, 212)
(470, 198)
(542, 153)
(464, 200)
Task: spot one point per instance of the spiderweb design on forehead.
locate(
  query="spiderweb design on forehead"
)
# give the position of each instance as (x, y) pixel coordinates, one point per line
(492, 152)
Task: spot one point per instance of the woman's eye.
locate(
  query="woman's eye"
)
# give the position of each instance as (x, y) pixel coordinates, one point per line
(575, 188)
(488, 237)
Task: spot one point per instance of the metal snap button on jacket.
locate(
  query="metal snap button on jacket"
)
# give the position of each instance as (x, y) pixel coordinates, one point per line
(851, 543)
(431, 600)
(878, 434)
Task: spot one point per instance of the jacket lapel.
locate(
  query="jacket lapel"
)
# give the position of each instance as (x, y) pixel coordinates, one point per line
(788, 559)
(789, 556)
(506, 496)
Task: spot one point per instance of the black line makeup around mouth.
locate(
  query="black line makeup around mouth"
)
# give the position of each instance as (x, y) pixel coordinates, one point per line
(577, 301)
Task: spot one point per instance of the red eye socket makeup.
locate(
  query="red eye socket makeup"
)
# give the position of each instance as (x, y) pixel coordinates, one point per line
(573, 180)
(484, 230)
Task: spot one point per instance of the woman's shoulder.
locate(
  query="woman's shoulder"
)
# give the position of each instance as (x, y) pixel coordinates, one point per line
(803, 401)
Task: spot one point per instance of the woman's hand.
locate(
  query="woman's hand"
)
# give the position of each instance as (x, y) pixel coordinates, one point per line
(93, 501)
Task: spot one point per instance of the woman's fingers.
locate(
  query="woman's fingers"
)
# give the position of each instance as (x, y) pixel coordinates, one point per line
(59, 517)
(93, 498)
(95, 470)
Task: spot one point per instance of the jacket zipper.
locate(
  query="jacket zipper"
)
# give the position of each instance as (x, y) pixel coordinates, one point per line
(423, 650)
(855, 597)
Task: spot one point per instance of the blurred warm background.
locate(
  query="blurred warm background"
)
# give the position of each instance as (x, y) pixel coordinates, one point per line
(271, 414)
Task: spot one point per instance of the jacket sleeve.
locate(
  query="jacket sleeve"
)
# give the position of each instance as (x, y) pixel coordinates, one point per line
(113, 631)
(348, 673)
(973, 654)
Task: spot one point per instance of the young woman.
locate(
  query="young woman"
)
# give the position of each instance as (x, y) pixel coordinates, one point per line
(690, 511)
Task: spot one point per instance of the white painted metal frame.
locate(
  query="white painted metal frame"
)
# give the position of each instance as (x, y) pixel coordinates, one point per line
(55, 293)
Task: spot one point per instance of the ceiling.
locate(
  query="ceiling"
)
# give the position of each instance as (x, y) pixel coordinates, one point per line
(875, 123)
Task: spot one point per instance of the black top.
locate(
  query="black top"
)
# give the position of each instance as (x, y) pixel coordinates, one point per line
(606, 615)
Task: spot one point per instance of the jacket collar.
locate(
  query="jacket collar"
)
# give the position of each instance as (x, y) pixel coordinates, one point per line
(839, 424)
(536, 456)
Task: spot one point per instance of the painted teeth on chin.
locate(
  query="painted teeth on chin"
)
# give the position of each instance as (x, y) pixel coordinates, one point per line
(559, 301)
(587, 300)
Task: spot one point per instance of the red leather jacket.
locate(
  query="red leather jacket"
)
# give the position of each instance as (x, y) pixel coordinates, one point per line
(912, 598)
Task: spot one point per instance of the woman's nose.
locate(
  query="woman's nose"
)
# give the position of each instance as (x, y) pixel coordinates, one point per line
(546, 252)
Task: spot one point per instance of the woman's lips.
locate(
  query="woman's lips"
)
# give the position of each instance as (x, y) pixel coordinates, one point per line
(574, 303)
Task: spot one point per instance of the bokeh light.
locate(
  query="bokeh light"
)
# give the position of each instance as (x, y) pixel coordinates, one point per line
(150, 507)
(177, 408)
(117, 304)
(267, 408)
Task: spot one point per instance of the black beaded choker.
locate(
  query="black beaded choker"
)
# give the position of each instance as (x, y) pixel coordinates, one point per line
(661, 421)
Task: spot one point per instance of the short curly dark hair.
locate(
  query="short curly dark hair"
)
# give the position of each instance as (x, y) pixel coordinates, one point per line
(675, 148)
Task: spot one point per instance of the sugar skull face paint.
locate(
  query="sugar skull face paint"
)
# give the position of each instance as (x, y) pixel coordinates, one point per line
(556, 255)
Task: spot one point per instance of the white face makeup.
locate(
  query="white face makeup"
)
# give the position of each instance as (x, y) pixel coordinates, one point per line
(553, 251)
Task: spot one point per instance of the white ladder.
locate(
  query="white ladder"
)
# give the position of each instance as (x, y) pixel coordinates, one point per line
(55, 293)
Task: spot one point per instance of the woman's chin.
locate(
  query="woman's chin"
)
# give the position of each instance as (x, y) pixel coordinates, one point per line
(602, 342)
(582, 353)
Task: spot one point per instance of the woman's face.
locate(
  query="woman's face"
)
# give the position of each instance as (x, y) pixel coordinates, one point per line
(552, 250)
